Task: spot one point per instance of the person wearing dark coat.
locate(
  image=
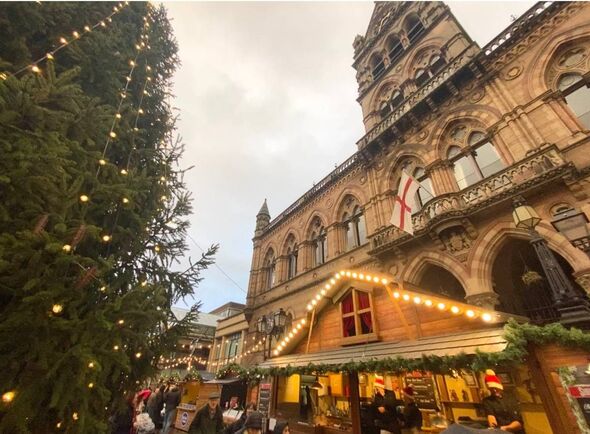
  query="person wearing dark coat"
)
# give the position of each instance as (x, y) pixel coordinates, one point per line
(281, 428)
(209, 419)
(122, 420)
(253, 424)
(412, 414)
(238, 424)
(171, 399)
(385, 415)
(155, 404)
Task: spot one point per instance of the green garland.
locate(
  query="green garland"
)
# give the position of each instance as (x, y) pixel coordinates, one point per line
(518, 336)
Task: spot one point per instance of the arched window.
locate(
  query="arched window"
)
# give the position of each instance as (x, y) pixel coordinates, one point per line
(354, 224)
(434, 66)
(292, 254)
(478, 160)
(269, 269)
(424, 193)
(377, 66)
(397, 98)
(577, 96)
(414, 28)
(319, 243)
(395, 48)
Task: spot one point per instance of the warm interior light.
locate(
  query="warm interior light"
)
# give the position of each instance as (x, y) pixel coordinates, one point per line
(441, 306)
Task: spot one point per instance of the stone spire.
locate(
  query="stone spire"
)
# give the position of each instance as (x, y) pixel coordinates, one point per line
(262, 218)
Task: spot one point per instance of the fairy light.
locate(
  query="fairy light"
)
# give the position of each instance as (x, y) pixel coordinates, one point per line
(35, 69)
(116, 347)
(470, 313)
(63, 40)
(396, 294)
(455, 309)
(417, 300)
(124, 172)
(102, 288)
(113, 134)
(121, 322)
(106, 238)
(486, 317)
(8, 397)
(138, 355)
(49, 56)
(57, 308)
(125, 200)
(91, 365)
(66, 248)
(428, 303)
(441, 306)
(84, 198)
(90, 385)
(76, 34)
(75, 416)
(406, 297)
(102, 162)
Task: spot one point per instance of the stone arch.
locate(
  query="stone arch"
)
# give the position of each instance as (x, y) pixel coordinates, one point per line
(485, 249)
(435, 42)
(536, 83)
(350, 190)
(416, 268)
(308, 224)
(387, 181)
(442, 145)
(290, 233)
(389, 84)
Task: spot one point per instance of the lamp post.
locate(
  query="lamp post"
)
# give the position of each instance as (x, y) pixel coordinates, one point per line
(570, 304)
(574, 226)
(271, 325)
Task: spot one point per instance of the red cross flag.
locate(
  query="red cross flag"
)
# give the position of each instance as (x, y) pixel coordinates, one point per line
(404, 203)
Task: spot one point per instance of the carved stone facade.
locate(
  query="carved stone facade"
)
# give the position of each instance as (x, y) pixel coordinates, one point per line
(506, 95)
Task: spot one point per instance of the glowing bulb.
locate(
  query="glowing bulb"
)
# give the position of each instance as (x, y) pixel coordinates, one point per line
(84, 198)
(470, 313)
(118, 115)
(441, 306)
(128, 78)
(157, 248)
(140, 111)
(361, 276)
(144, 283)
(486, 317)
(303, 321)
(106, 238)
(318, 297)
(8, 396)
(428, 303)
(125, 200)
(313, 302)
(113, 134)
(116, 347)
(323, 292)
(76, 34)
(66, 248)
(454, 309)
(137, 355)
(75, 416)
(103, 289)
(58, 425)
(102, 162)
(354, 275)
(87, 28)
(121, 322)
(102, 23)
(124, 172)
(299, 326)
(63, 40)
(90, 385)
(57, 308)
(91, 365)
(149, 68)
(337, 276)
(417, 300)
(132, 63)
(396, 295)
(384, 281)
(348, 274)
(406, 297)
(276, 352)
(163, 197)
(49, 56)
(36, 69)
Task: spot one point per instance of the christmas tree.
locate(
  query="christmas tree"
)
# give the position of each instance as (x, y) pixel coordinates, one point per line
(93, 210)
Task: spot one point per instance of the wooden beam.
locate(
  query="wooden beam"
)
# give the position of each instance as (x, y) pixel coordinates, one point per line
(400, 312)
(310, 330)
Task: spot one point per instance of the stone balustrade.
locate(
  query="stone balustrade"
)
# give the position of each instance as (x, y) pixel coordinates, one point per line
(545, 163)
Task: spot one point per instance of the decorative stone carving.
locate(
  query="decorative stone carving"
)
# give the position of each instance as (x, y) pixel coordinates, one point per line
(358, 43)
(457, 242)
(584, 281)
(511, 72)
(486, 300)
(476, 95)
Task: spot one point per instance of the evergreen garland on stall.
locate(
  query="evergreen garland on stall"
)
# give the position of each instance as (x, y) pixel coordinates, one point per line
(518, 337)
(93, 211)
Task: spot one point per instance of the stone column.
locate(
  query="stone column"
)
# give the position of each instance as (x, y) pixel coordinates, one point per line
(441, 175)
(282, 269)
(305, 253)
(332, 241)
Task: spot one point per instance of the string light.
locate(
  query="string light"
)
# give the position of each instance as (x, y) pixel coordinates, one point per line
(75, 416)
(66, 248)
(84, 198)
(125, 200)
(57, 308)
(91, 365)
(8, 397)
(90, 385)
(106, 238)
(35, 69)
(102, 162)
(124, 172)
(49, 56)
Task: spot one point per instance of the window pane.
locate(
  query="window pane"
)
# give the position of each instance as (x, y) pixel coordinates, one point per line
(348, 327)
(347, 306)
(465, 173)
(362, 299)
(488, 160)
(568, 80)
(366, 323)
(579, 102)
(349, 237)
(424, 193)
(453, 150)
(362, 230)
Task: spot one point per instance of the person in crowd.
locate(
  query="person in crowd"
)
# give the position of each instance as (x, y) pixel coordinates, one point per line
(122, 419)
(209, 419)
(155, 404)
(253, 424)
(502, 413)
(281, 428)
(239, 423)
(171, 400)
(386, 417)
(412, 417)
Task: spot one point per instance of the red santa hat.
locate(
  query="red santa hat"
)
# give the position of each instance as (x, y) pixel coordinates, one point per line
(379, 381)
(492, 380)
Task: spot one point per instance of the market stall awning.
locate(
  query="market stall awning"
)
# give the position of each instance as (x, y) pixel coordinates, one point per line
(489, 340)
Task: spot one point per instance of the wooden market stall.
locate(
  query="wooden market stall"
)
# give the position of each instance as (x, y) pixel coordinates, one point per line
(330, 364)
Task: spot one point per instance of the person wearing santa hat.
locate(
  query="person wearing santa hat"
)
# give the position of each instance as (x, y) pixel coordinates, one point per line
(502, 413)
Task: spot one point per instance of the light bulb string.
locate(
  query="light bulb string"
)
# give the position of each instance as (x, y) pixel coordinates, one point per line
(65, 42)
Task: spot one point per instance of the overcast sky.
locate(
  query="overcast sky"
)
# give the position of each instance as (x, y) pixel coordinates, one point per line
(267, 101)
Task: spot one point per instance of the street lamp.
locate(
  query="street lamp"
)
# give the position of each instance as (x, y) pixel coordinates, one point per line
(574, 226)
(272, 325)
(570, 304)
